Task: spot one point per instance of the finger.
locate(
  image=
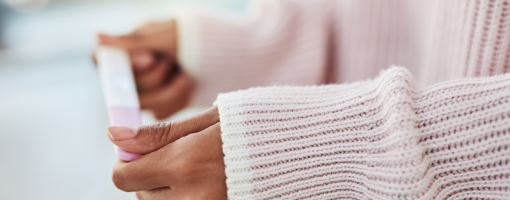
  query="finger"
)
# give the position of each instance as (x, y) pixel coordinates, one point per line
(162, 40)
(145, 174)
(105, 39)
(158, 194)
(149, 138)
(168, 99)
(142, 60)
(175, 165)
(141, 55)
(128, 42)
(155, 77)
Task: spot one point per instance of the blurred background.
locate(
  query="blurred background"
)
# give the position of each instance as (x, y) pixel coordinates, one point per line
(52, 115)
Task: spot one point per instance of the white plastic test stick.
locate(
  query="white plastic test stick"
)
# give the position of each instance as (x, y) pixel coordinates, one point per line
(119, 91)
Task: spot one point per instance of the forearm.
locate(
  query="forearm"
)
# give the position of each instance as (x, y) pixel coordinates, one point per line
(378, 139)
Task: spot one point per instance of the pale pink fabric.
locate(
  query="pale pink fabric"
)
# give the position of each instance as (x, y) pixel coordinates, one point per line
(303, 42)
(376, 139)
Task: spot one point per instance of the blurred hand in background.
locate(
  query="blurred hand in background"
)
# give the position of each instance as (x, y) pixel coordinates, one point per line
(162, 86)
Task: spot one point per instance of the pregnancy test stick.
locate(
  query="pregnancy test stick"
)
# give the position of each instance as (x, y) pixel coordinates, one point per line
(119, 91)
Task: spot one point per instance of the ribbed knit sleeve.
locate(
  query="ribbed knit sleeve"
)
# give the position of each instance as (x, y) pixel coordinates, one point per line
(278, 42)
(376, 139)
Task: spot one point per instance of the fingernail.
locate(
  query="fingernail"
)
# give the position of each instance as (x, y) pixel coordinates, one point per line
(142, 61)
(106, 38)
(121, 132)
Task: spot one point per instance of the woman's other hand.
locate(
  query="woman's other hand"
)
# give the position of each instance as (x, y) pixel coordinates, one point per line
(183, 159)
(163, 87)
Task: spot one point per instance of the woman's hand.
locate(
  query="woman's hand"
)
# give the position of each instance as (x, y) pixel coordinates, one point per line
(183, 159)
(163, 87)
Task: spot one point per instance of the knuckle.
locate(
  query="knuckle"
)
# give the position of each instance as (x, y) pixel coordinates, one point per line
(119, 180)
(217, 127)
(167, 134)
(156, 134)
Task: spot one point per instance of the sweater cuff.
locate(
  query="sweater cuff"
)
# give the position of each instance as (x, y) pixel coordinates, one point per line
(282, 142)
(235, 145)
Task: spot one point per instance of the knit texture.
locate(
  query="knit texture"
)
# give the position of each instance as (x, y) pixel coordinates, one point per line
(303, 42)
(261, 49)
(375, 139)
(378, 139)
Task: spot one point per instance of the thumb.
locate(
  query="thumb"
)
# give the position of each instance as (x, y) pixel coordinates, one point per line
(149, 138)
(128, 42)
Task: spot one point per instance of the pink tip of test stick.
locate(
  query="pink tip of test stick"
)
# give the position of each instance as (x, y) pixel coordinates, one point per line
(119, 91)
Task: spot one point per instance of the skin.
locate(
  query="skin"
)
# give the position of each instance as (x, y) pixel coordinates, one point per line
(182, 159)
(162, 86)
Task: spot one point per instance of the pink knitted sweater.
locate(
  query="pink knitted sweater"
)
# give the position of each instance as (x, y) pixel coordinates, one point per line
(383, 138)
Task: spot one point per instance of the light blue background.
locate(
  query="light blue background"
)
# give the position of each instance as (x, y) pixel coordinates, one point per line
(52, 116)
